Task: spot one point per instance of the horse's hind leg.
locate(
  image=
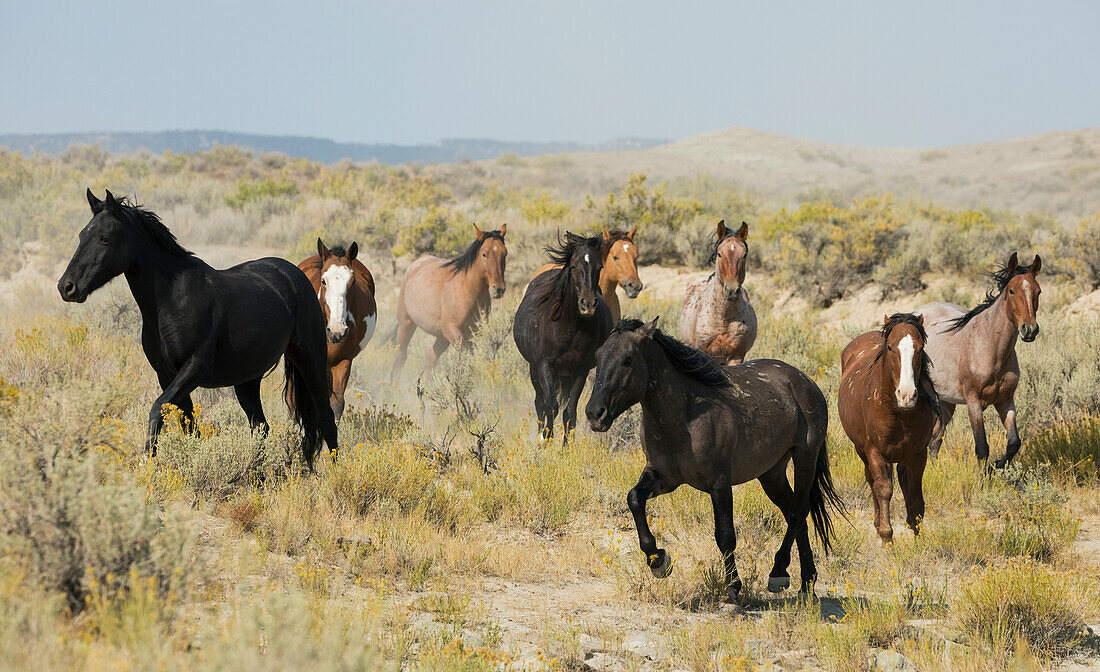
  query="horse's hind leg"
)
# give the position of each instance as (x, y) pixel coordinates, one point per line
(778, 489)
(726, 538)
(569, 413)
(248, 396)
(1007, 412)
(946, 412)
(650, 484)
(974, 410)
(910, 478)
(405, 330)
(546, 387)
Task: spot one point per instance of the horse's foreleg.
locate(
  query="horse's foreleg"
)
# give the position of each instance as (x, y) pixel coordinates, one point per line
(1007, 411)
(974, 409)
(947, 411)
(569, 413)
(438, 348)
(341, 372)
(248, 396)
(194, 370)
(880, 477)
(650, 484)
(548, 382)
(910, 478)
(726, 537)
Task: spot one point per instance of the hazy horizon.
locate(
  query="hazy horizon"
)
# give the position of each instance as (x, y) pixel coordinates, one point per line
(858, 74)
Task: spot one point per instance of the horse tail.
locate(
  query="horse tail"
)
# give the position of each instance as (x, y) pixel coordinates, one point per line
(823, 496)
(304, 409)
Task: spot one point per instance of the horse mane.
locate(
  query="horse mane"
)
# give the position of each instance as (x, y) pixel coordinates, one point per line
(1000, 277)
(560, 254)
(924, 382)
(150, 224)
(613, 236)
(696, 364)
(464, 261)
(713, 248)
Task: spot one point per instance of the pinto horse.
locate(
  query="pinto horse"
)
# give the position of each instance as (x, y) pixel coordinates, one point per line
(974, 353)
(448, 298)
(203, 327)
(888, 406)
(559, 324)
(620, 268)
(712, 428)
(345, 290)
(717, 316)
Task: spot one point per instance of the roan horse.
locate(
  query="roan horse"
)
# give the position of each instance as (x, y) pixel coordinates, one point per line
(974, 353)
(345, 290)
(559, 324)
(888, 406)
(620, 268)
(717, 316)
(447, 298)
(207, 328)
(712, 428)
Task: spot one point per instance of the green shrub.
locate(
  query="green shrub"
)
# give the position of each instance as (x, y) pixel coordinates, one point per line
(250, 191)
(653, 211)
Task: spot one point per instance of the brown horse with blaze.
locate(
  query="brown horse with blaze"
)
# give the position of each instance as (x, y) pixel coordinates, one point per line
(620, 268)
(448, 298)
(888, 407)
(345, 289)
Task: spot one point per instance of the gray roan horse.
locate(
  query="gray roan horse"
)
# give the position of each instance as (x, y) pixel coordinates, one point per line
(714, 427)
(974, 353)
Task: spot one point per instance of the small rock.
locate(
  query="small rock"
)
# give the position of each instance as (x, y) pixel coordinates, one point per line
(885, 660)
(645, 645)
(604, 661)
(589, 643)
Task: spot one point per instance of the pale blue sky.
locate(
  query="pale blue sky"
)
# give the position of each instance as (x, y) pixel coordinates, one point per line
(870, 73)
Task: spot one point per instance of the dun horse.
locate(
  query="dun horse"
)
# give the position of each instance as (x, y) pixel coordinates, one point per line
(559, 324)
(717, 316)
(974, 353)
(447, 298)
(207, 328)
(345, 290)
(888, 407)
(620, 268)
(712, 428)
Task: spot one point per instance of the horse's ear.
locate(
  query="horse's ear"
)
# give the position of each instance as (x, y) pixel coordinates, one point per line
(650, 328)
(503, 229)
(743, 232)
(1036, 264)
(97, 205)
(478, 233)
(885, 320)
(633, 230)
(322, 251)
(111, 202)
(606, 235)
(721, 229)
(920, 319)
(1013, 262)
(353, 251)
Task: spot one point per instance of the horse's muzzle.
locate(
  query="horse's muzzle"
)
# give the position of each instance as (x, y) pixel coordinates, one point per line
(731, 292)
(496, 291)
(632, 289)
(599, 419)
(336, 338)
(587, 307)
(1028, 333)
(69, 292)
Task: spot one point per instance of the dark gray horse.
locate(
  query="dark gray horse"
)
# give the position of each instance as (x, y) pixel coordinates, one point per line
(207, 328)
(560, 323)
(715, 427)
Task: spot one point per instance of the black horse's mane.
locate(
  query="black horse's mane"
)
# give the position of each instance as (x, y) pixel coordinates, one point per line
(338, 251)
(696, 364)
(560, 254)
(924, 381)
(463, 261)
(150, 223)
(1000, 277)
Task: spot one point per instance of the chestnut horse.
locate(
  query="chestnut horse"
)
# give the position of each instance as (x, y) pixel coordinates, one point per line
(974, 353)
(447, 298)
(717, 317)
(345, 289)
(620, 268)
(888, 406)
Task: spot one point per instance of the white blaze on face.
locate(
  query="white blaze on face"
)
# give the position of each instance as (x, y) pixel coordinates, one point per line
(907, 384)
(586, 259)
(337, 279)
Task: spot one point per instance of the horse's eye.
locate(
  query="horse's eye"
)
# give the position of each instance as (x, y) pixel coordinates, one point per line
(484, 254)
(628, 361)
(323, 281)
(719, 255)
(105, 239)
(1011, 292)
(615, 258)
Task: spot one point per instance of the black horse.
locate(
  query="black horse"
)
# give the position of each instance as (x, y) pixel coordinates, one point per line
(715, 427)
(560, 323)
(207, 328)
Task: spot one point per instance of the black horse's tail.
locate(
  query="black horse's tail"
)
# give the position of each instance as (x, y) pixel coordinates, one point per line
(304, 409)
(823, 496)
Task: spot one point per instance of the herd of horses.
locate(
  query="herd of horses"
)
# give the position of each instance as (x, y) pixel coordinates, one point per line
(710, 418)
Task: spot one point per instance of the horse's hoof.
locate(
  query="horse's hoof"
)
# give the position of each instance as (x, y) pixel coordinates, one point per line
(1001, 463)
(733, 596)
(777, 584)
(660, 564)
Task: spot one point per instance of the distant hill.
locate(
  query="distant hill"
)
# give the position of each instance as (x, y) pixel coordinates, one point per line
(317, 149)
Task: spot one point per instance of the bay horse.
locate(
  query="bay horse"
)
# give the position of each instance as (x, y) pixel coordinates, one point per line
(448, 298)
(203, 327)
(559, 324)
(888, 407)
(620, 268)
(717, 316)
(345, 291)
(974, 353)
(713, 427)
